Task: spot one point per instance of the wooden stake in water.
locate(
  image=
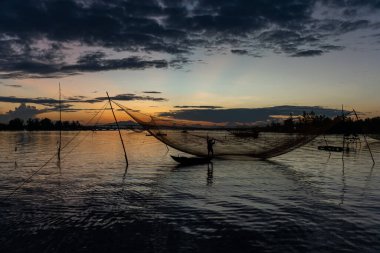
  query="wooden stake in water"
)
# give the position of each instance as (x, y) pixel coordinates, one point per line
(365, 138)
(344, 143)
(118, 129)
(60, 125)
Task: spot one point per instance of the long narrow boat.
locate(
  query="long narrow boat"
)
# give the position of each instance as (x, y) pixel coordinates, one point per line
(183, 160)
(333, 148)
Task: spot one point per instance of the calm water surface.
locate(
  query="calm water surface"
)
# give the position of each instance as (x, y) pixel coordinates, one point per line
(303, 201)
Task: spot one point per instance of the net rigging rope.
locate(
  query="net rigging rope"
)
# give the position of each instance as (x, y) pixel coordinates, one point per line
(191, 136)
(88, 132)
(28, 179)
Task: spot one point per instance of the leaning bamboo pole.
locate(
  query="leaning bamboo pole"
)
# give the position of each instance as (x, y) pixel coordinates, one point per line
(118, 129)
(365, 138)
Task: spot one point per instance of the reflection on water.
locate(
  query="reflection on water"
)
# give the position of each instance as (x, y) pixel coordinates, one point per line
(210, 173)
(304, 201)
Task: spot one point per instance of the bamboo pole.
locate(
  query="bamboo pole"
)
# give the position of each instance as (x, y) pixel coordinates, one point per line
(344, 143)
(324, 137)
(118, 129)
(365, 138)
(60, 124)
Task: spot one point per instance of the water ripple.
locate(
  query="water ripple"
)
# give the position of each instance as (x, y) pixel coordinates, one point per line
(304, 201)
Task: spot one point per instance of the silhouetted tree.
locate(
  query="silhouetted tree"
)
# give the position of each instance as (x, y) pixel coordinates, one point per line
(46, 124)
(289, 123)
(75, 125)
(33, 124)
(65, 125)
(16, 124)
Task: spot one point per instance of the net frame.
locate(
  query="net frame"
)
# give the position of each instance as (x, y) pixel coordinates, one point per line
(191, 136)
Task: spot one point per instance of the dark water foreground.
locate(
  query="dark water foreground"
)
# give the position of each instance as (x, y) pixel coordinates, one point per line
(304, 201)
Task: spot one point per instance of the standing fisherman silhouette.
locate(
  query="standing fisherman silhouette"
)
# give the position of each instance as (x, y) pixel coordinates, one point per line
(210, 144)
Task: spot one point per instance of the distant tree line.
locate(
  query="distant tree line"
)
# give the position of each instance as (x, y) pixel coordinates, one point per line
(368, 125)
(308, 122)
(338, 125)
(312, 123)
(45, 124)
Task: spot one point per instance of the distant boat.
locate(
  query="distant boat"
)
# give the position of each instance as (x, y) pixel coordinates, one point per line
(333, 148)
(245, 133)
(183, 160)
(158, 134)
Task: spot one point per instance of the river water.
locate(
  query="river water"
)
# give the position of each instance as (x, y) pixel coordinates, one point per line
(304, 201)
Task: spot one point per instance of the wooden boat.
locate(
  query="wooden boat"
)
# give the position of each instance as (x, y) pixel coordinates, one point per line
(333, 148)
(245, 133)
(183, 160)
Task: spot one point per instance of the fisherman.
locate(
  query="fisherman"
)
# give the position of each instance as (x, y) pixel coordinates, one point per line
(210, 144)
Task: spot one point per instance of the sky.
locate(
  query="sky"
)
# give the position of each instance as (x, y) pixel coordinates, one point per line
(189, 59)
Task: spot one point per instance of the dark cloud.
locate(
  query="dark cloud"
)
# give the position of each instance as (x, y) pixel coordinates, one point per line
(152, 92)
(39, 39)
(239, 51)
(352, 3)
(128, 97)
(77, 99)
(68, 104)
(39, 100)
(179, 62)
(23, 112)
(308, 53)
(331, 48)
(198, 106)
(13, 85)
(349, 26)
(91, 65)
(247, 115)
(87, 63)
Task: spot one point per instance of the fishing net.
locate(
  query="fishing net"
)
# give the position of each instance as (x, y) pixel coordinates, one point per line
(258, 142)
(375, 136)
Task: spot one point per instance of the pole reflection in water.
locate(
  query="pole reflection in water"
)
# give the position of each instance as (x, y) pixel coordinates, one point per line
(343, 185)
(97, 205)
(210, 172)
(367, 182)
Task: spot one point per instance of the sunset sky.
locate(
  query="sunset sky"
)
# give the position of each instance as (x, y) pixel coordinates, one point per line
(180, 57)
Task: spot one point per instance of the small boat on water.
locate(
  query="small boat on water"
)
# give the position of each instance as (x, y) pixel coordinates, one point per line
(183, 160)
(333, 148)
(245, 133)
